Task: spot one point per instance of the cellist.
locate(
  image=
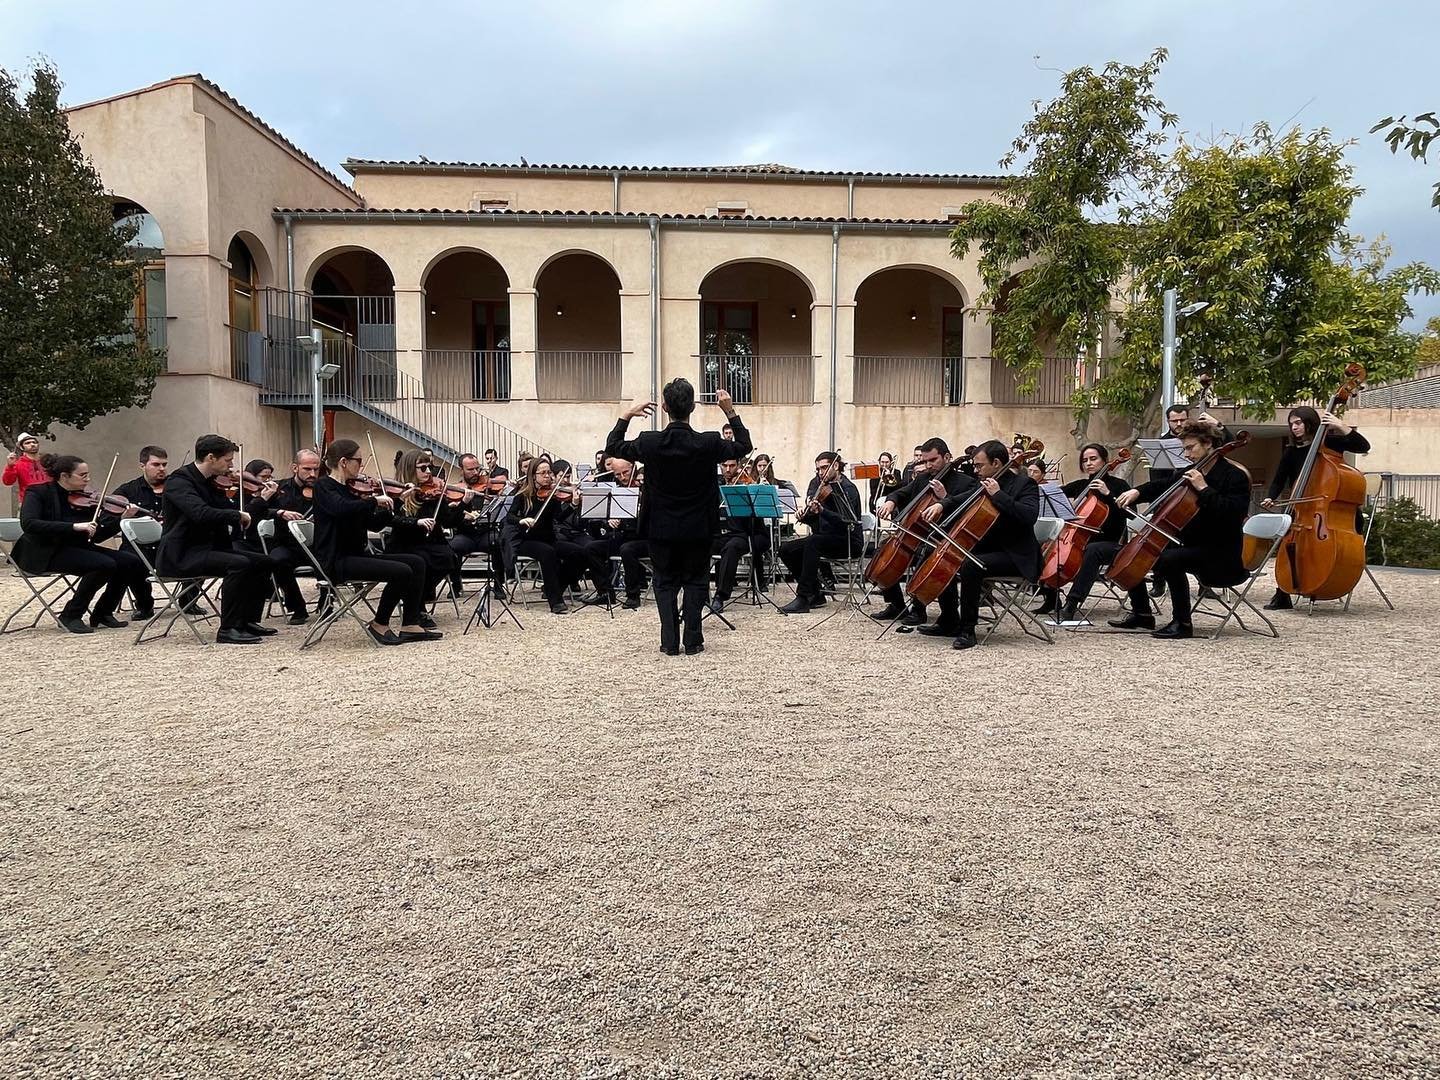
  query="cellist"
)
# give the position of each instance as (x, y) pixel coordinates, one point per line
(1099, 549)
(1210, 545)
(1304, 423)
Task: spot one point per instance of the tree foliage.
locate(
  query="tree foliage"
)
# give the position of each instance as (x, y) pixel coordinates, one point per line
(1414, 138)
(68, 347)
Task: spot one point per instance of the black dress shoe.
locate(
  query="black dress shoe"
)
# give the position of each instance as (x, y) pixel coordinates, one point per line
(914, 616)
(632, 602)
(1134, 622)
(387, 638)
(256, 630)
(691, 650)
(557, 608)
(888, 612)
(407, 636)
(1157, 587)
(109, 622)
(1173, 630)
(798, 606)
(1050, 604)
(939, 629)
(144, 614)
(299, 618)
(236, 636)
(670, 650)
(965, 639)
(75, 624)
(1280, 602)
(425, 621)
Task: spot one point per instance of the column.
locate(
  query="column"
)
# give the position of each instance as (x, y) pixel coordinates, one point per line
(523, 334)
(410, 330)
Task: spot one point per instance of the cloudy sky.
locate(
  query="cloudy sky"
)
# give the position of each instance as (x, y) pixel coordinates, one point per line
(906, 85)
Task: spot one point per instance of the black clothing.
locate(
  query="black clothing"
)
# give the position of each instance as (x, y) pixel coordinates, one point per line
(142, 495)
(343, 521)
(562, 561)
(1100, 553)
(1114, 527)
(1292, 458)
(682, 490)
(404, 578)
(681, 565)
(1018, 501)
(407, 537)
(839, 515)
(199, 519)
(1217, 528)
(51, 545)
(954, 481)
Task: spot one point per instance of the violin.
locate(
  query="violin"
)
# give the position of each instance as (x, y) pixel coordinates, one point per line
(372, 485)
(108, 504)
(826, 488)
(1064, 554)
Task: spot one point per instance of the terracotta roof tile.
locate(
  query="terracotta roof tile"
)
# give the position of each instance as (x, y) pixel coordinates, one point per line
(355, 166)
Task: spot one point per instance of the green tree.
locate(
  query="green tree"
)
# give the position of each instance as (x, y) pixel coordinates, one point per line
(1257, 227)
(1427, 352)
(1092, 156)
(68, 347)
(1414, 137)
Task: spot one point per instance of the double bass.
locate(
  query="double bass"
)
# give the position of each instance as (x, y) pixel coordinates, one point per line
(962, 532)
(1323, 556)
(1171, 511)
(1064, 554)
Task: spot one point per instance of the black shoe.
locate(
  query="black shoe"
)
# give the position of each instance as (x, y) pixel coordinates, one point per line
(1280, 602)
(425, 622)
(632, 602)
(691, 650)
(299, 618)
(914, 616)
(1205, 593)
(1134, 622)
(1157, 587)
(1048, 607)
(798, 606)
(256, 630)
(939, 629)
(457, 589)
(75, 624)
(109, 622)
(387, 638)
(194, 607)
(144, 614)
(888, 612)
(407, 636)
(558, 608)
(670, 650)
(235, 636)
(1069, 615)
(965, 639)
(1173, 630)
(818, 600)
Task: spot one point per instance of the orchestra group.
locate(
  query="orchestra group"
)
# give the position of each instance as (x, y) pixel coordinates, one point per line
(945, 525)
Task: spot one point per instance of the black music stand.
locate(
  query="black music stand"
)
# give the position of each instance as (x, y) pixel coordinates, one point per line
(606, 502)
(492, 513)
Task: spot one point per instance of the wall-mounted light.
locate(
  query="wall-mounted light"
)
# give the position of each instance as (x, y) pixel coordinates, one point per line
(913, 315)
(559, 309)
(793, 313)
(434, 312)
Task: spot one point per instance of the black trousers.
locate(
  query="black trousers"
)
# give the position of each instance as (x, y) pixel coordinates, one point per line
(948, 601)
(971, 577)
(97, 567)
(490, 540)
(440, 562)
(1098, 555)
(802, 556)
(560, 563)
(404, 578)
(284, 559)
(246, 584)
(680, 566)
(1173, 566)
(730, 547)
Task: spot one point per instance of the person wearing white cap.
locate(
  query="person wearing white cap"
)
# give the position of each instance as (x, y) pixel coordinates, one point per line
(22, 466)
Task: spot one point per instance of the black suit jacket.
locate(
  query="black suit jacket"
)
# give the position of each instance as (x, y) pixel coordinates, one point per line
(48, 521)
(1218, 527)
(1018, 501)
(342, 522)
(199, 519)
(682, 492)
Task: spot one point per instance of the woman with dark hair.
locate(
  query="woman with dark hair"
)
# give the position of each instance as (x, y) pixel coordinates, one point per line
(1304, 423)
(59, 538)
(342, 520)
(533, 516)
(418, 527)
(764, 466)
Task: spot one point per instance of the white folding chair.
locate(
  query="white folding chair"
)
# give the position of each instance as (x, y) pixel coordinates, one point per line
(143, 532)
(344, 595)
(1012, 595)
(1269, 530)
(10, 532)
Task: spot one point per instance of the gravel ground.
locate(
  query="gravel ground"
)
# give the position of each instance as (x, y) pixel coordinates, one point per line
(796, 855)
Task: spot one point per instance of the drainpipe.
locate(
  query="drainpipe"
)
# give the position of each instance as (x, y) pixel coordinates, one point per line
(851, 211)
(654, 316)
(834, 325)
(290, 256)
(616, 176)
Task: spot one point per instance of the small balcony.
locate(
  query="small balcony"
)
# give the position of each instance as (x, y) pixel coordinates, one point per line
(467, 374)
(909, 380)
(578, 375)
(1055, 383)
(759, 379)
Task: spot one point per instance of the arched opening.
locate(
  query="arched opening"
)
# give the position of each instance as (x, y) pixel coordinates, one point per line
(148, 309)
(1056, 381)
(467, 328)
(244, 318)
(755, 334)
(578, 330)
(352, 304)
(909, 339)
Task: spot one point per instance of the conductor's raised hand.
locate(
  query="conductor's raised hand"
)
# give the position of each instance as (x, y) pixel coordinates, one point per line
(725, 401)
(640, 408)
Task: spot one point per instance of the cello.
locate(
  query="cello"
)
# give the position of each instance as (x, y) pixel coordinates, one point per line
(1322, 556)
(892, 558)
(1172, 510)
(960, 534)
(1064, 554)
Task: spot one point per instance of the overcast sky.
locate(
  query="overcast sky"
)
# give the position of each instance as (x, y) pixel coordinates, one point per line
(924, 86)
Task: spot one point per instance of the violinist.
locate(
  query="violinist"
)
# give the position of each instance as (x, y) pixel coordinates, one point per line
(420, 519)
(197, 540)
(574, 537)
(619, 536)
(533, 515)
(935, 473)
(739, 536)
(1037, 470)
(1304, 423)
(147, 493)
(763, 468)
(1101, 548)
(1210, 545)
(60, 535)
(474, 531)
(290, 500)
(889, 480)
(832, 510)
(1008, 549)
(343, 517)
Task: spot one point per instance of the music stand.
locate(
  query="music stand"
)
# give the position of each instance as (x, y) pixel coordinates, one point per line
(1054, 503)
(760, 501)
(1168, 453)
(604, 502)
(492, 514)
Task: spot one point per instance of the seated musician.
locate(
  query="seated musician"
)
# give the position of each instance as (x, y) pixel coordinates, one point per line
(908, 473)
(1210, 545)
(475, 531)
(292, 501)
(199, 540)
(935, 459)
(739, 536)
(146, 493)
(1099, 549)
(763, 466)
(834, 533)
(418, 526)
(1008, 549)
(888, 482)
(573, 538)
(343, 519)
(58, 538)
(1037, 470)
(1339, 436)
(284, 555)
(619, 537)
(533, 515)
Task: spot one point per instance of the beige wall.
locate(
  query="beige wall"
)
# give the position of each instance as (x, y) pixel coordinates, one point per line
(1401, 440)
(883, 304)
(589, 292)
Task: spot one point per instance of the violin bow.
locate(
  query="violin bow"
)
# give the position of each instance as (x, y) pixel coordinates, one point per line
(240, 453)
(100, 498)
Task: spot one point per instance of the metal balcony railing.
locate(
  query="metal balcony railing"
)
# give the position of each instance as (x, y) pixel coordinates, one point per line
(1056, 383)
(909, 380)
(577, 375)
(467, 375)
(759, 379)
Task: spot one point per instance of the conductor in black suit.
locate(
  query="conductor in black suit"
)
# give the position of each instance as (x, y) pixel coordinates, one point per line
(680, 507)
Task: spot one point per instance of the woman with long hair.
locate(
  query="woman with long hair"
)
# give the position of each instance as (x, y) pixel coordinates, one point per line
(533, 515)
(418, 527)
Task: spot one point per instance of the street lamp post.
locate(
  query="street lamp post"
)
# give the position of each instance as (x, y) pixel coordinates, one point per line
(1167, 351)
(320, 373)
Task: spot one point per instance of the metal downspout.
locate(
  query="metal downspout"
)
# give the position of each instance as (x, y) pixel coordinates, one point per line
(654, 316)
(834, 325)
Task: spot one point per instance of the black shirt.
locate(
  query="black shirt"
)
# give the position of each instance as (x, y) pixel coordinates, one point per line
(343, 521)
(1292, 458)
(1114, 527)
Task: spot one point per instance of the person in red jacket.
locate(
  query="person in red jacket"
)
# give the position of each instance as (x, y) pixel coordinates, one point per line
(22, 467)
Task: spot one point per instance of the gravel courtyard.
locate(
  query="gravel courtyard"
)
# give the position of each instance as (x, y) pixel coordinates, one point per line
(557, 853)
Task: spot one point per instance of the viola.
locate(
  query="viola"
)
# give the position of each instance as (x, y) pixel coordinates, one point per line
(1064, 554)
(1175, 508)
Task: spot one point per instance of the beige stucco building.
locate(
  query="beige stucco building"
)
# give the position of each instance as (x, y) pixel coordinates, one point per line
(468, 306)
